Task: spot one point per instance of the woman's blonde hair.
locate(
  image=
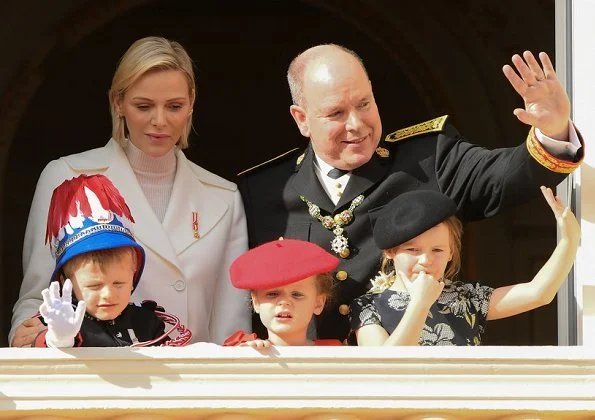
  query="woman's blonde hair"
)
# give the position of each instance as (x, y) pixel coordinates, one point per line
(145, 55)
(455, 230)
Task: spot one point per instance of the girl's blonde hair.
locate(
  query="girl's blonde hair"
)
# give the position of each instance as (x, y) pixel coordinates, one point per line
(325, 284)
(145, 55)
(386, 276)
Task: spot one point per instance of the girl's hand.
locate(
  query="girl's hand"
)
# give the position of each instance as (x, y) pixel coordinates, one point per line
(257, 344)
(569, 226)
(424, 290)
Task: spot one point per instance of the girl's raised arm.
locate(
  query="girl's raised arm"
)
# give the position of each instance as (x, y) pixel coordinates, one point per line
(512, 300)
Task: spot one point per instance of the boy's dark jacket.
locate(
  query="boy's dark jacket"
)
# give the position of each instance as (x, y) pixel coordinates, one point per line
(142, 320)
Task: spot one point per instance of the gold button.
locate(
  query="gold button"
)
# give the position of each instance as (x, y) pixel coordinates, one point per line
(341, 275)
(344, 309)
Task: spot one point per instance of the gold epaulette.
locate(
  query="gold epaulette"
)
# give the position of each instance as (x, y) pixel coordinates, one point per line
(268, 161)
(425, 127)
(545, 159)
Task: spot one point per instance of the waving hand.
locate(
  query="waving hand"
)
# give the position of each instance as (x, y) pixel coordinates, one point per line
(64, 322)
(547, 106)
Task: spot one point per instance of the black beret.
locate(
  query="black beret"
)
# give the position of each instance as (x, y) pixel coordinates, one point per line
(409, 215)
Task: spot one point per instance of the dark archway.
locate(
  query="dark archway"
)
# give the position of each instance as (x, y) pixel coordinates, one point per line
(425, 59)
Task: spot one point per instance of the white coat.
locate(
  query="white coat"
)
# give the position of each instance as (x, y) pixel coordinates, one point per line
(189, 277)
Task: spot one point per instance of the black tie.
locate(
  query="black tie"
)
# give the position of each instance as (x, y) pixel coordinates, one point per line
(336, 173)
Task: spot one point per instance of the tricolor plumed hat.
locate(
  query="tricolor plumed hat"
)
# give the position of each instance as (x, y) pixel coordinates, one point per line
(409, 215)
(87, 213)
(278, 263)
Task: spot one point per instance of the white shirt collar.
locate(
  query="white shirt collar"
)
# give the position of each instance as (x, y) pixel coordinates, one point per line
(333, 187)
(324, 168)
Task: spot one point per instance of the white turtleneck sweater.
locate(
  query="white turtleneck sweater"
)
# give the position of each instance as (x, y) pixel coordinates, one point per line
(155, 175)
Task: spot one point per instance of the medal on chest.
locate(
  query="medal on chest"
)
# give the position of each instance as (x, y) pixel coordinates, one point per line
(335, 223)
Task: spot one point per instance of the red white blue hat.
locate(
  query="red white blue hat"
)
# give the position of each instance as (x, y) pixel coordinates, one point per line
(278, 263)
(87, 213)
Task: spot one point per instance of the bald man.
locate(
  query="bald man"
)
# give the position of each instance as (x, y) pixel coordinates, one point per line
(330, 192)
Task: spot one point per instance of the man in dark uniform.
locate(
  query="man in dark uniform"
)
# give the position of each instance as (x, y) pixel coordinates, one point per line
(329, 193)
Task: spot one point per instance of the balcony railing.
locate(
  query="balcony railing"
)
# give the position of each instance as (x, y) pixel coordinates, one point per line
(293, 382)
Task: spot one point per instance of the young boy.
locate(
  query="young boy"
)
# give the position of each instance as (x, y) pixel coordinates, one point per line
(289, 282)
(90, 233)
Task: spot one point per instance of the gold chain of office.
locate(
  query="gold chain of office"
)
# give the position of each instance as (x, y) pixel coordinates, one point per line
(339, 244)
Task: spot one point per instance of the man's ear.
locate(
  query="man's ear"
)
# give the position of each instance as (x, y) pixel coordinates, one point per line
(320, 301)
(301, 119)
(255, 303)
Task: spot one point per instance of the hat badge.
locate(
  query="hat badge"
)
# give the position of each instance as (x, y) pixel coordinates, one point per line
(98, 213)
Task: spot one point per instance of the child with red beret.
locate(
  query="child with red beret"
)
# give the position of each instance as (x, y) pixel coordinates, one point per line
(289, 282)
(414, 300)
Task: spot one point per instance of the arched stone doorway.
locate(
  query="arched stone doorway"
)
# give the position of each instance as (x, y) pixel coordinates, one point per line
(425, 59)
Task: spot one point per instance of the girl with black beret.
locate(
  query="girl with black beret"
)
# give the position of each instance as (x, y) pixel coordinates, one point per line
(415, 300)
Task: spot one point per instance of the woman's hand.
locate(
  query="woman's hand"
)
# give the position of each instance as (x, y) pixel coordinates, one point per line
(25, 333)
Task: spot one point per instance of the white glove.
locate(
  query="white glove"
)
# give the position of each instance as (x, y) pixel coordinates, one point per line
(63, 321)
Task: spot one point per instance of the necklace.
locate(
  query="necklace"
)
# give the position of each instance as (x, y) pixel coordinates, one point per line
(335, 223)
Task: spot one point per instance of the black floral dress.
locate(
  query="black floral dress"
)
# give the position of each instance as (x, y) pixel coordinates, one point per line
(457, 318)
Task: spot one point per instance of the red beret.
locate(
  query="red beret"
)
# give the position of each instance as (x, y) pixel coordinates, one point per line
(278, 263)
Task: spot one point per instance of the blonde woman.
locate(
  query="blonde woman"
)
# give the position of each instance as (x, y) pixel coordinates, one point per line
(190, 221)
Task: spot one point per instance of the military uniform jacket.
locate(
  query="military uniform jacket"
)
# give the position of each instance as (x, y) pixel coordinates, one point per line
(431, 155)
